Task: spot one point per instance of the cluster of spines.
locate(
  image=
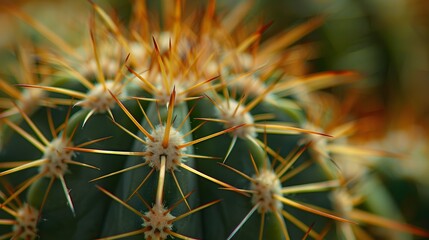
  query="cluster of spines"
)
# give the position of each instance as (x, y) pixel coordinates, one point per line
(178, 69)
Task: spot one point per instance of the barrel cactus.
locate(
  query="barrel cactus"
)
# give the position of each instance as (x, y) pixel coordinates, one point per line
(185, 124)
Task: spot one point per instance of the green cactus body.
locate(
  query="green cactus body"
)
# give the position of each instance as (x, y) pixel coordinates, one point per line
(178, 129)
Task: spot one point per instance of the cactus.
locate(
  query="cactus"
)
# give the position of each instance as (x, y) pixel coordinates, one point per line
(190, 127)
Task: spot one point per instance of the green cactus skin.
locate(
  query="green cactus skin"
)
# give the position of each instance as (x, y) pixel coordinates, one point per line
(184, 130)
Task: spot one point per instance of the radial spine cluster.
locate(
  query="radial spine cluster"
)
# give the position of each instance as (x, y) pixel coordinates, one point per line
(172, 151)
(57, 156)
(265, 186)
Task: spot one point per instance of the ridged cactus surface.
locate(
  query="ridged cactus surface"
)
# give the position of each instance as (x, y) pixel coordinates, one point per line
(184, 124)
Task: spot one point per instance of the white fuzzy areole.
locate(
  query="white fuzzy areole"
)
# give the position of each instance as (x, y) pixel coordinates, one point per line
(26, 222)
(239, 118)
(172, 152)
(266, 185)
(251, 85)
(109, 66)
(57, 155)
(163, 95)
(159, 223)
(99, 99)
(31, 99)
(319, 142)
